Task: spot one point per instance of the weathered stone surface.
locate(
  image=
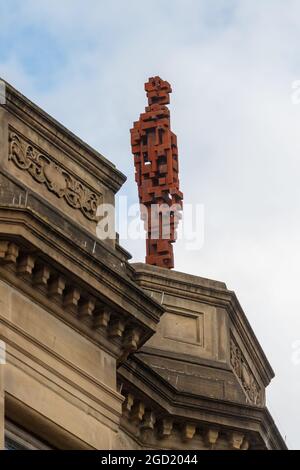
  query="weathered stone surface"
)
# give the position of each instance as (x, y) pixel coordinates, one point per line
(203, 369)
(69, 309)
(93, 360)
(53, 162)
(204, 325)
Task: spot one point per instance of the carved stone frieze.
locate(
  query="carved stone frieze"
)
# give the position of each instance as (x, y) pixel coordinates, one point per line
(45, 171)
(244, 373)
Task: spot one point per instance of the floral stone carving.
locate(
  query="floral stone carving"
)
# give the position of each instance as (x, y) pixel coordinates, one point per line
(43, 170)
(244, 374)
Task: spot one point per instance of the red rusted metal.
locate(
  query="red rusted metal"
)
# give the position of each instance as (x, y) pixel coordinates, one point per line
(154, 147)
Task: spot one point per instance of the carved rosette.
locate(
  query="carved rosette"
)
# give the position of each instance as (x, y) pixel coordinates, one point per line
(45, 171)
(244, 373)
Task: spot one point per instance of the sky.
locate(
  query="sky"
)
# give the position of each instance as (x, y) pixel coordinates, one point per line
(232, 65)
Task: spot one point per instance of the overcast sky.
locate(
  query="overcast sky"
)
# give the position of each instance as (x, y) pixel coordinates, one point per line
(231, 65)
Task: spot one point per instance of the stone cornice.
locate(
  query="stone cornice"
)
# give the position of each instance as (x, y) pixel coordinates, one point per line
(210, 292)
(254, 423)
(66, 141)
(130, 300)
(13, 194)
(104, 304)
(54, 229)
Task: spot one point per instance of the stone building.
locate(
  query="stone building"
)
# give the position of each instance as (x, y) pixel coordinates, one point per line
(102, 353)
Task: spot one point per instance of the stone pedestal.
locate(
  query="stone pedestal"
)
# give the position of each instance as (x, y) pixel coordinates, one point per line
(199, 382)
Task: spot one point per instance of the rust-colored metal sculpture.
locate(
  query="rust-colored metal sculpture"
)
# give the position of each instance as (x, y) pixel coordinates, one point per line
(154, 147)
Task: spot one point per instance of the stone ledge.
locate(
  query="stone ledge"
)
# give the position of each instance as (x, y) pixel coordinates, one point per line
(214, 293)
(90, 159)
(248, 422)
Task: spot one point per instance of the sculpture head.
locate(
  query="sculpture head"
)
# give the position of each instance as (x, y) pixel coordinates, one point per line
(158, 91)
